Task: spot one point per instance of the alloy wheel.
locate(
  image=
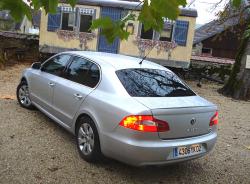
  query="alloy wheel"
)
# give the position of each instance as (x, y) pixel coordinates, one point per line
(86, 139)
(23, 95)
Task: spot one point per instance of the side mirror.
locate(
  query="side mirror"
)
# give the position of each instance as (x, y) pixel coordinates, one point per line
(36, 65)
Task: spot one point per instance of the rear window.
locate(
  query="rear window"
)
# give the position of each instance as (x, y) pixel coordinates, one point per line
(153, 83)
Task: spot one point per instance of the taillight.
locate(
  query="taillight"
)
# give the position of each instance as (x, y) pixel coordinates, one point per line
(214, 119)
(144, 123)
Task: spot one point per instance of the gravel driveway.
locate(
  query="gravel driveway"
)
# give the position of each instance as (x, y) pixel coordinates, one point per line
(33, 149)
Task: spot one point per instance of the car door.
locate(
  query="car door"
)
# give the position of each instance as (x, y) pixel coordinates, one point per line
(43, 81)
(81, 77)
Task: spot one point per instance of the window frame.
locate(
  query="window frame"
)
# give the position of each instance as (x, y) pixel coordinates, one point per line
(79, 21)
(80, 11)
(74, 13)
(77, 12)
(157, 35)
(171, 35)
(140, 33)
(205, 53)
(89, 60)
(65, 67)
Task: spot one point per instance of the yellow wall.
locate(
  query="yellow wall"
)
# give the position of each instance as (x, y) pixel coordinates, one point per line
(128, 47)
(179, 53)
(51, 38)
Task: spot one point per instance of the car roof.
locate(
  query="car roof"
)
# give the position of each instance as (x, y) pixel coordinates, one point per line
(117, 61)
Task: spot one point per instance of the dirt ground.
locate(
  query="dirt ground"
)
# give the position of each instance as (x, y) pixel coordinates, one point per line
(33, 149)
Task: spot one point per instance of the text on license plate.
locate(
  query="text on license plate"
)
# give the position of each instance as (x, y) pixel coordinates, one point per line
(187, 150)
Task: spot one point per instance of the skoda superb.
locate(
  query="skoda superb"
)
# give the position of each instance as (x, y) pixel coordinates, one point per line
(139, 113)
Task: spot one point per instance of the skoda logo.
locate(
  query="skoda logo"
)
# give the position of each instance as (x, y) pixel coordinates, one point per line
(193, 121)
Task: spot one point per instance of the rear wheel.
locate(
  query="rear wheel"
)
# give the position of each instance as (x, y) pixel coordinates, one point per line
(23, 95)
(87, 140)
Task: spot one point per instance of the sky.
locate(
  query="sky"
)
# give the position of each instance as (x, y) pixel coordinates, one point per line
(206, 9)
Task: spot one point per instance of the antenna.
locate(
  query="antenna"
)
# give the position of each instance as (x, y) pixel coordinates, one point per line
(146, 55)
(142, 60)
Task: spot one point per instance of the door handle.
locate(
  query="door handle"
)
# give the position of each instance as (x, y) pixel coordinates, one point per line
(79, 97)
(51, 84)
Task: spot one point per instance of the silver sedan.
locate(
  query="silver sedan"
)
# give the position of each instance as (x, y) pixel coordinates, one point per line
(139, 113)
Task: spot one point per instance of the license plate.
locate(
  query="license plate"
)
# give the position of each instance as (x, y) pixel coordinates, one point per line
(184, 151)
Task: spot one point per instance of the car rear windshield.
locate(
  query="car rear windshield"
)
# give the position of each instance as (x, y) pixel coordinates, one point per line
(153, 83)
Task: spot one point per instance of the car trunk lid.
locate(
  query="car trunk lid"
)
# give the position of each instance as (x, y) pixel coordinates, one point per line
(186, 116)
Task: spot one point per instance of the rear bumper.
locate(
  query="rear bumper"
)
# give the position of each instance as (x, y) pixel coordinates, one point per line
(141, 153)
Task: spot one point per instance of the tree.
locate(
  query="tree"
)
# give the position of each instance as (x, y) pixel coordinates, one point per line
(238, 84)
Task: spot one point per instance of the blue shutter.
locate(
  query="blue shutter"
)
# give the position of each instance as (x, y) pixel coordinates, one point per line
(77, 17)
(104, 46)
(181, 32)
(54, 20)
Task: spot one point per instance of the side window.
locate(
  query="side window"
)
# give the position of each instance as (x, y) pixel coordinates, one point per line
(94, 76)
(83, 72)
(56, 65)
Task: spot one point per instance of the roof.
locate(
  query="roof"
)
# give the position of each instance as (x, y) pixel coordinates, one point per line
(130, 4)
(218, 26)
(213, 60)
(116, 60)
(212, 28)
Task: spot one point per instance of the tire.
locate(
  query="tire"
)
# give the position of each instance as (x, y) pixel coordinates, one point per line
(22, 94)
(87, 140)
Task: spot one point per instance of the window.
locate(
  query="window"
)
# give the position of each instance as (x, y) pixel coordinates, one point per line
(207, 51)
(85, 23)
(147, 34)
(83, 72)
(94, 76)
(153, 83)
(166, 34)
(68, 21)
(56, 65)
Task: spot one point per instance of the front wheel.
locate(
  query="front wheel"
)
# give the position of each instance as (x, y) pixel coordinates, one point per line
(23, 95)
(87, 140)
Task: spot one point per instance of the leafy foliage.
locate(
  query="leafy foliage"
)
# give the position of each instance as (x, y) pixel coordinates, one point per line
(49, 6)
(236, 3)
(113, 29)
(17, 8)
(247, 32)
(152, 14)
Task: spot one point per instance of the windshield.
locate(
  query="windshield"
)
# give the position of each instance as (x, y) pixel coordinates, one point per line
(152, 83)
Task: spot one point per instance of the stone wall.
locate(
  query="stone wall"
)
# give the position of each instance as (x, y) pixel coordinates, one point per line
(16, 48)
